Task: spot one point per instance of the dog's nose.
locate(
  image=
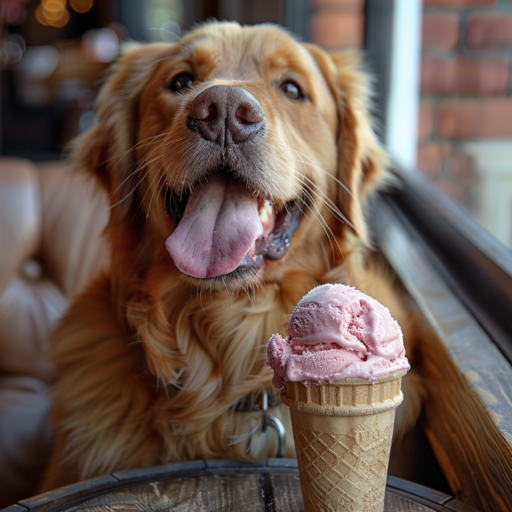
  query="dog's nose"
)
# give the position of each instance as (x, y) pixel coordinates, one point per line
(225, 115)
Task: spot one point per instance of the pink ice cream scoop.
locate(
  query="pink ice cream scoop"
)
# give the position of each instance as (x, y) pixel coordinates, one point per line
(336, 332)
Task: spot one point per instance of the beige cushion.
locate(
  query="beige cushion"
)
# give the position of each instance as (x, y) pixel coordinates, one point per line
(51, 221)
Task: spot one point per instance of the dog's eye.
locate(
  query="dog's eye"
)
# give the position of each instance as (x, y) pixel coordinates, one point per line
(181, 82)
(292, 90)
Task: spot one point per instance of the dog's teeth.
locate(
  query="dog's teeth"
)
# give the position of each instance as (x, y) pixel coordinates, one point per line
(264, 211)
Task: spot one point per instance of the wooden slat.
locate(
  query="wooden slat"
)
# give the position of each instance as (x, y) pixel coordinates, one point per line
(155, 471)
(273, 486)
(394, 502)
(469, 406)
(42, 500)
(229, 492)
(431, 494)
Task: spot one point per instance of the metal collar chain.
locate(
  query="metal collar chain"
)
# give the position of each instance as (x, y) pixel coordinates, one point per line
(260, 401)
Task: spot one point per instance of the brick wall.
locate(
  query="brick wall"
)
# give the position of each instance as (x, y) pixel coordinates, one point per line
(337, 24)
(466, 85)
(465, 88)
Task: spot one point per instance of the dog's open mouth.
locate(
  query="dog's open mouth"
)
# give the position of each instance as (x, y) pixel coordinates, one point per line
(223, 228)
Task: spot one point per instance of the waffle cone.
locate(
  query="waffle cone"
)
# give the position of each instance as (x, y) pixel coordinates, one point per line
(342, 433)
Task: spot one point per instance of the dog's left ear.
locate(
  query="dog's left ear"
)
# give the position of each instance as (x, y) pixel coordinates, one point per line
(107, 149)
(362, 161)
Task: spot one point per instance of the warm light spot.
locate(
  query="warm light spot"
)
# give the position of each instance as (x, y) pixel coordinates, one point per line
(53, 13)
(62, 21)
(53, 6)
(40, 16)
(81, 6)
(51, 16)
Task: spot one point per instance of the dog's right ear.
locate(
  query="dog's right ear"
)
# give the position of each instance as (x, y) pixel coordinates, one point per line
(362, 161)
(107, 149)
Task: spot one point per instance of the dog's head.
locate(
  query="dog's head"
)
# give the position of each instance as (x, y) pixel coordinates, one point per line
(231, 154)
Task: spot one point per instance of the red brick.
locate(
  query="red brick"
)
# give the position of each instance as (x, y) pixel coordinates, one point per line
(430, 157)
(476, 118)
(464, 75)
(489, 31)
(430, 169)
(459, 3)
(458, 167)
(333, 29)
(351, 4)
(426, 119)
(456, 190)
(440, 31)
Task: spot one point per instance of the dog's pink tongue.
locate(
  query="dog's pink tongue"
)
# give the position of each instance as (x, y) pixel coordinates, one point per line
(219, 226)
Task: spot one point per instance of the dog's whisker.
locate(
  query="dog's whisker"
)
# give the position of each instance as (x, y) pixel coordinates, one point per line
(128, 151)
(326, 257)
(319, 218)
(149, 140)
(328, 174)
(323, 222)
(199, 294)
(191, 160)
(273, 161)
(158, 189)
(148, 188)
(246, 292)
(328, 203)
(140, 166)
(159, 184)
(135, 171)
(126, 196)
(306, 189)
(168, 145)
(227, 291)
(330, 234)
(155, 149)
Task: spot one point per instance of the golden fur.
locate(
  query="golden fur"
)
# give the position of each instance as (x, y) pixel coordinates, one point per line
(151, 361)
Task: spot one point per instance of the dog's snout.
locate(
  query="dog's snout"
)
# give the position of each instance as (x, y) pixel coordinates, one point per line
(225, 115)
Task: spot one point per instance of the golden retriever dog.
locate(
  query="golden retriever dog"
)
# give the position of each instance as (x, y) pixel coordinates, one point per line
(238, 163)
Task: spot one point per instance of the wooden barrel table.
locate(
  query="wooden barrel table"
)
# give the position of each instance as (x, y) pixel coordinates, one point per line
(215, 485)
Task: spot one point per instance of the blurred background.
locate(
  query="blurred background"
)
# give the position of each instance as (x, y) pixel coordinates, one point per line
(454, 119)
(443, 106)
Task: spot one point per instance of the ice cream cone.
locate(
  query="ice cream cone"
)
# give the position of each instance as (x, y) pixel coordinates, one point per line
(342, 434)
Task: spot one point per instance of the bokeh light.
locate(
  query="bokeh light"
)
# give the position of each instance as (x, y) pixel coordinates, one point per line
(170, 31)
(81, 6)
(164, 19)
(39, 62)
(101, 44)
(52, 13)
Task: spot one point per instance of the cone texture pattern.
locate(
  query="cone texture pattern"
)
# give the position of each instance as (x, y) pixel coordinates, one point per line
(344, 471)
(343, 433)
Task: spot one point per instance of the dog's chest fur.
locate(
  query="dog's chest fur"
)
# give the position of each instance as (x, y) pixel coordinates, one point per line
(164, 388)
